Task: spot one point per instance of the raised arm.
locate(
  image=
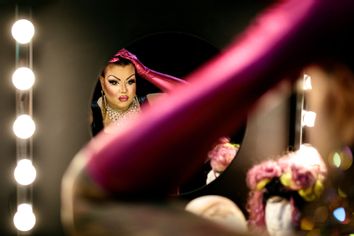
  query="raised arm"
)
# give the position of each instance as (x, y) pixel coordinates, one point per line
(171, 139)
(164, 82)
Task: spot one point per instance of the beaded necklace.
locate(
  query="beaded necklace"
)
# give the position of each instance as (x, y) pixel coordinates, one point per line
(119, 117)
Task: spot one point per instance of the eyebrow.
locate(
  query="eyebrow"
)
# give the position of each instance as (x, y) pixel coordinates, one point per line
(119, 78)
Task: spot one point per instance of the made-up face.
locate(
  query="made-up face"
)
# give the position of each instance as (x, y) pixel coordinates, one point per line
(119, 86)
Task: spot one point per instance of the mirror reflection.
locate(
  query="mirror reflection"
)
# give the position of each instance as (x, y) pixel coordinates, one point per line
(119, 101)
(135, 76)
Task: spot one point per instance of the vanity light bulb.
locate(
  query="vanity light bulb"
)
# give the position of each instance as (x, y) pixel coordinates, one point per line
(23, 78)
(307, 82)
(24, 127)
(308, 118)
(24, 219)
(22, 31)
(25, 173)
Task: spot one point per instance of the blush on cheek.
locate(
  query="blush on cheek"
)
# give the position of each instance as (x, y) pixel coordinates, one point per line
(110, 91)
(133, 91)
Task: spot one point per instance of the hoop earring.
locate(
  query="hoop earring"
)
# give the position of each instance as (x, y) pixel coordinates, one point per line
(136, 102)
(104, 99)
(104, 105)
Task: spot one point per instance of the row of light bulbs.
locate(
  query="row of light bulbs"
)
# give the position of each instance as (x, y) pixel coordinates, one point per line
(24, 127)
(308, 118)
(340, 159)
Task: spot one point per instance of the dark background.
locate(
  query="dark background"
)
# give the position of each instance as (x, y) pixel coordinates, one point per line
(73, 41)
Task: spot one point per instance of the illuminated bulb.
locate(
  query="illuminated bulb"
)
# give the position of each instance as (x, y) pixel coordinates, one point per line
(309, 118)
(24, 219)
(22, 31)
(337, 160)
(24, 126)
(339, 214)
(342, 159)
(307, 82)
(306, 224)
(25, 173)
(23, 78)
(346, 157)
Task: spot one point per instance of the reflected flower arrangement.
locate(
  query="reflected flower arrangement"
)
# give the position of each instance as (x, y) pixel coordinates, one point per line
(299, 174)
(221, 156)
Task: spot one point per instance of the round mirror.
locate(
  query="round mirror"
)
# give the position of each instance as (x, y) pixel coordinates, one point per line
(136, 75)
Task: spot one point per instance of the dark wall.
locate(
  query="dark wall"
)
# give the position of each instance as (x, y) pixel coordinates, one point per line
(72, 42)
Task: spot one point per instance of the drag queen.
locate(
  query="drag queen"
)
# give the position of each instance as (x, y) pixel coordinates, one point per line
(119, 101)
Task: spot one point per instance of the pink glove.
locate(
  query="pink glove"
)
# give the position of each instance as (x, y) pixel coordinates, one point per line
(163, 81)
(168, 143)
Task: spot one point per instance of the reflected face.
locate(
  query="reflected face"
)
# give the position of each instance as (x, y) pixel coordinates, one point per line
(119, 85)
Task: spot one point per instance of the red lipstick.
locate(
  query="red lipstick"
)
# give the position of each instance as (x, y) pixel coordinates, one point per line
(123, 98)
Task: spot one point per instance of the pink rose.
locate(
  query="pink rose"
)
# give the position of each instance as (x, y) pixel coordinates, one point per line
(265, 170)
(301, 177)
(222, 155)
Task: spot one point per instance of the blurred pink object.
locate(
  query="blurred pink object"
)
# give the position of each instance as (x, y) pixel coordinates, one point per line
(222, 154)
(266, 170)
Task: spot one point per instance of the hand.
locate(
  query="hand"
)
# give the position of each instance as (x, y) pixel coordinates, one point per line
(124, 53)
(163, 81)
